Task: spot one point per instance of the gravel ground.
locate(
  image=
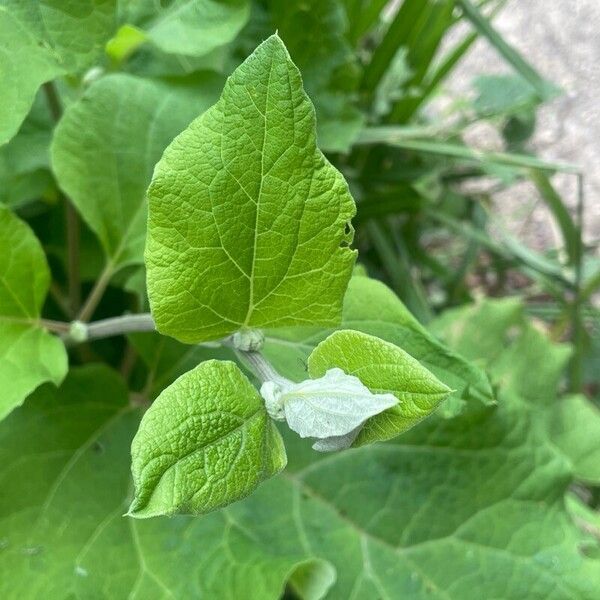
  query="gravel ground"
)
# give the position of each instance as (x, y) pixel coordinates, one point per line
(561, 38)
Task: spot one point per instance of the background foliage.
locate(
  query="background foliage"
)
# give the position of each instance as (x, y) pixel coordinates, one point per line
(494, 496)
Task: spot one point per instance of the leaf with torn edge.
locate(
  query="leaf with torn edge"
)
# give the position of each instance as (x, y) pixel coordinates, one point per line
(248, 221)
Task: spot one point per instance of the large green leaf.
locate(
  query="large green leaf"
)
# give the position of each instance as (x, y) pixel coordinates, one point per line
(73, 32)
(106, 145)
(459, 509)
(29, 355)
(373, 308)
(25, 160)
(189, 27)
(383, 368)
(247, 219)
(205, 442)
(523, 361)
(64, 471)
(24, 66)
(42, 39)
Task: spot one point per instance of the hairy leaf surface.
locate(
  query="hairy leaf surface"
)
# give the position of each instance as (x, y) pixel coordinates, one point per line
(332, 406)
(206, 442)
(107, 144)
(29, 355)
(247, 218)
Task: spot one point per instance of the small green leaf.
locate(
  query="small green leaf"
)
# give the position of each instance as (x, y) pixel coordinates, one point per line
(126, 41)
(29, 355)
(313, 579)
(188, 27)
(383, 368)
(501, 95)
(206, 442)
(106, 145)
(373, 308)
(247, 219)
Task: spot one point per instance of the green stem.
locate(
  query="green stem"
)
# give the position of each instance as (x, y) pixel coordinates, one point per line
(96, 294)
(577, 319)
(55, 326)
(120, 325)
(53, 100)
(78, 332)
(71, 217)
(73, 273)
(260, 366)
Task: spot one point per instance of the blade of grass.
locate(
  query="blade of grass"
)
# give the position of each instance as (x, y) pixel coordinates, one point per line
(555, 203)
(395, 136)
(362, 17)
(399, 272)
(395, 37)
(441, 70)
(422, 46)
(543, 88)
(510, 249)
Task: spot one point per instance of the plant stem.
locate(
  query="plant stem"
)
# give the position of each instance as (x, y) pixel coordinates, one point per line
(263, 369)
(53, 100)
(55, 326)
(577, 303)
(61, 301)
(72, 223)
(120, 325)
(79, 331)
(96, 294)
(71, 217)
